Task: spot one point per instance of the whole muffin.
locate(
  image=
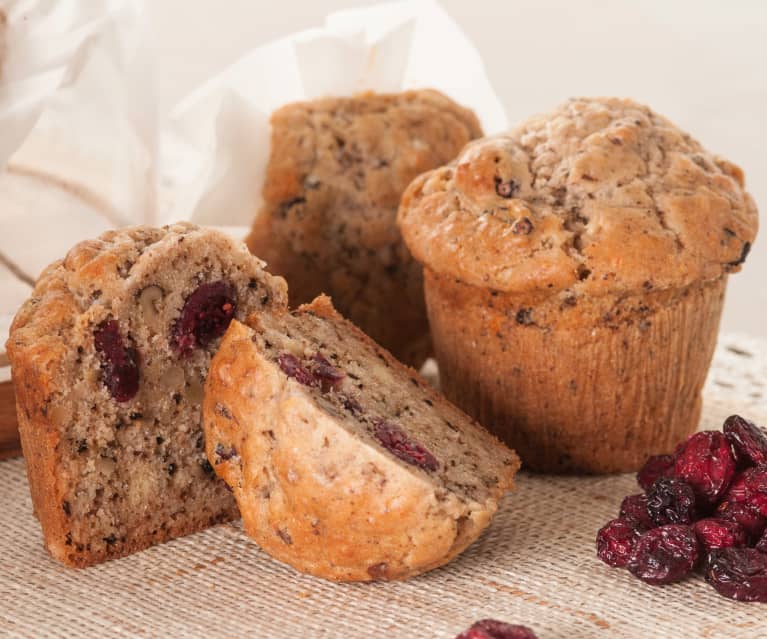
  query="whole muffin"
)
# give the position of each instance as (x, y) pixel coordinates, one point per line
(337, 170)
(575, 271)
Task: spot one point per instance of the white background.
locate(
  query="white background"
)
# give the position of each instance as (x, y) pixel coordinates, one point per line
(701, 63)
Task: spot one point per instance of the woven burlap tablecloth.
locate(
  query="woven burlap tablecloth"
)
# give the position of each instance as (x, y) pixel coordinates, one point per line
(535, 565)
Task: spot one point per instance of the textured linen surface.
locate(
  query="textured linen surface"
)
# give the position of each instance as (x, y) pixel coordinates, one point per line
(535, 565)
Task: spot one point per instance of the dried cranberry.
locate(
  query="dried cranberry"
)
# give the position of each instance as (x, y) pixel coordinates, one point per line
(748, 518)
(634, 510)
(761, 545)
(748, 440)
(393, 438)
(292, 367)
(206, 315)
(750, 487)
(325, 373)
(492, 629)
(707, 464)
(738, 573)
(119, 363)
(664, 555)
(671, 501)
(615, 541)
(715, 533)
(654, 468)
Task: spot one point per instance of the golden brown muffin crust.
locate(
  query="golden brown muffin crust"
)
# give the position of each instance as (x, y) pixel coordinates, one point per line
(601, 195)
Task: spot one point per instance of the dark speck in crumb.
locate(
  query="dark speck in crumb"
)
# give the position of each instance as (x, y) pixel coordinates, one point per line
(82, 446)
(223, 411)
(159, 439)
(206, 467)
(171, 469)
(112, 539)
(65, 507)
(135, 415)
(525, 316)
(223, 453)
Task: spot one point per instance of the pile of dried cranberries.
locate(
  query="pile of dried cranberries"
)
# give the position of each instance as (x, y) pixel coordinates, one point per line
(705, 505)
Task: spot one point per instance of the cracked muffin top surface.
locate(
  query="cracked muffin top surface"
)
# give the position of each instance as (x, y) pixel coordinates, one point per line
(601, 195)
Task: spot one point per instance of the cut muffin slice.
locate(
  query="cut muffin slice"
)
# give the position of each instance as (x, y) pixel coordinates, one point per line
(345, 464)
(109, 357)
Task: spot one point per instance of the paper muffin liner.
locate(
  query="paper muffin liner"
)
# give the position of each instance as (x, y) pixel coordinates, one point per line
(577, 385)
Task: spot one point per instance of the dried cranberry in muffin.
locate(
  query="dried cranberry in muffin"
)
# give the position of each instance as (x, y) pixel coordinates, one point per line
(292, 367)
(394, 439)
(119, 362)
(205, 316)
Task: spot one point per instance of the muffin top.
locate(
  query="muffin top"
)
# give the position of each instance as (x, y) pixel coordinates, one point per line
(600, 196)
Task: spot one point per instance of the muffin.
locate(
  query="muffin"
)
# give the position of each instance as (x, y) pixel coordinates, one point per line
(337, 170)
(109, 356)
(575, 270)
(345, 464)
